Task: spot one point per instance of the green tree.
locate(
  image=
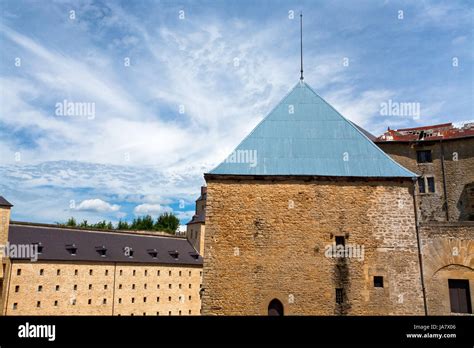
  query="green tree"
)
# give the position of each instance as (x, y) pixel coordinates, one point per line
(123, 225)
(167, 222)
(71, 222)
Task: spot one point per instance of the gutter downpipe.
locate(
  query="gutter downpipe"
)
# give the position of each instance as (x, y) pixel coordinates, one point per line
(420, 259)
(445, 189)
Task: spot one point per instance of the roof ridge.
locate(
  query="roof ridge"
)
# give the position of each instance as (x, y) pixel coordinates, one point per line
(360, 132)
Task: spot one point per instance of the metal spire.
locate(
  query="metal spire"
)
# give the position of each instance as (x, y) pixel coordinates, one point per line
(301, 44)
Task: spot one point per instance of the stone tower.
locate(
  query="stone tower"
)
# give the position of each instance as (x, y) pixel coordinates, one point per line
(309, 217)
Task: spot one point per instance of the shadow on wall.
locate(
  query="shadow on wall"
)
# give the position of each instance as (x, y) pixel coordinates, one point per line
(466, 203)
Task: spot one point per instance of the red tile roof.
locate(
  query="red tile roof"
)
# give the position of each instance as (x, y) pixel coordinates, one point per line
(428, 133)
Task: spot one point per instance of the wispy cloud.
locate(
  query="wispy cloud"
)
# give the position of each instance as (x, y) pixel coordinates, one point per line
(194, 87)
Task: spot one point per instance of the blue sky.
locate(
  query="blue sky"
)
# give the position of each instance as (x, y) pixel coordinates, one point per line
(202, 74)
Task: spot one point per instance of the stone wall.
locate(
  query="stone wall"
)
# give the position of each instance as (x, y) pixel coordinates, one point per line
(102, 289)
(459, 170)
(266, 240)
(448, 253)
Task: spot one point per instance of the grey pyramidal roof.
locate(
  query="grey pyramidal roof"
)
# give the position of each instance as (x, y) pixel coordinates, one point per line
(304, 135)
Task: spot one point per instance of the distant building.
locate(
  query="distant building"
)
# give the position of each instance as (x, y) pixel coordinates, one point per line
(443, 156)
(195, 229)
(87, 272)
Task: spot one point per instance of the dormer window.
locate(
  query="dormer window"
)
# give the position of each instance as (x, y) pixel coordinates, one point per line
(195, 256)
(72, 249)
(102, 250)
(174, 254)
(39, 247)
(153, 253)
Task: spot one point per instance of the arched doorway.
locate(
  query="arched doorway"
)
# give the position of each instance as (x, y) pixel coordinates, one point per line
(275, 308)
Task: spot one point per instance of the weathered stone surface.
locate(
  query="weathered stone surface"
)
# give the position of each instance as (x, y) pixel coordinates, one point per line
(267, 240)
(448, 253)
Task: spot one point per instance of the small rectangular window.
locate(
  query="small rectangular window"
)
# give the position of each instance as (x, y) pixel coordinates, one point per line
(106, 272)
(431, 184)
(75, 287)
(104, 301)
(169, 298)
(421, 185)
(169, 273)
(158, 273)
(41, 272)
(134, 272)
(340, 240)
(58, 272)
(133, 286)
(133, 299)
(38, 304)
(169, 286)
(15, 305)
(18, 271)
(157, 299)
(17, 288)
(120, 300)
(120, 273)
(76, 272)
(144, 299)
(378, 281)
(190, 273)
(339, 295)
(189, 298)
(105, 287)
(40, 288)
(146, 272)
(90, 286)
(424, 156)
(57, 287)
(89, 301)
(90, 272)
(120, 286)
(55, 303)
(180, 273)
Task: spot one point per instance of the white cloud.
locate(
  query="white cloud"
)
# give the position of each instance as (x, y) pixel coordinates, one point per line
(97, 205)
(151, 209)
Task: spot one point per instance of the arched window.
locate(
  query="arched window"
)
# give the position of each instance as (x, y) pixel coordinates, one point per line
(275, 308)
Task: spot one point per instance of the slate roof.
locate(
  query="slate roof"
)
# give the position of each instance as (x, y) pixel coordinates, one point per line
(57, 244)
(4, 202)
(304, 135)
